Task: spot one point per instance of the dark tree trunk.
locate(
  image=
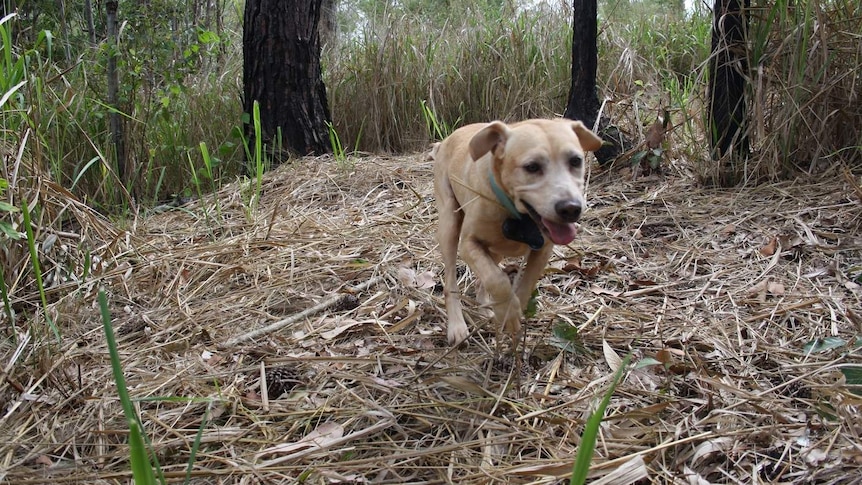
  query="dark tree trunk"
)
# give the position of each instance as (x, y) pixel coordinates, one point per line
(116, 122)
(583, 98)
(727, 68)
(281, 71)
(88, 14)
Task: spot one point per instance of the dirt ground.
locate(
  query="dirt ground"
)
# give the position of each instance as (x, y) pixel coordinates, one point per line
(303, 341)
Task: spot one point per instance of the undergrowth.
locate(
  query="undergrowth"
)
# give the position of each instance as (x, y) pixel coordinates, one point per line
(398, 78)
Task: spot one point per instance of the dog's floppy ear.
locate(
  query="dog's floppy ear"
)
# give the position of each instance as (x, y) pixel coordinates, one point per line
(589, 141)
(491, 137)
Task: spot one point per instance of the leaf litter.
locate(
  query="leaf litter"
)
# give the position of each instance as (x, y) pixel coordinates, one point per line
(313, 331)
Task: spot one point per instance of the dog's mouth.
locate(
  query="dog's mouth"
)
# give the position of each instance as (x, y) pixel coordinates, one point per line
(560, 233)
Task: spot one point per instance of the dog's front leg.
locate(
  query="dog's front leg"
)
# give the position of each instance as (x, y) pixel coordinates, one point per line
(448, 234)
(504, 302)
(533, 269)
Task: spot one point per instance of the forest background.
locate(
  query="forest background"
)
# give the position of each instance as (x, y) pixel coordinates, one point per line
(402, 74)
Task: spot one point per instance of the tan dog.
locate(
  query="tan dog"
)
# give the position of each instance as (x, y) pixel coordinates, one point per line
(507, 191)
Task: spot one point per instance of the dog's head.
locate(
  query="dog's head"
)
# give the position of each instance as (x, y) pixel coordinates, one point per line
(540, 165)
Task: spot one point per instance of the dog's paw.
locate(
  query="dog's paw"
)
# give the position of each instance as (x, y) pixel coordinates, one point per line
(457, 332)
(508, 314)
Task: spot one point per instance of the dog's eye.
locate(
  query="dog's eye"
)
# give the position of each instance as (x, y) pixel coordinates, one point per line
(576, 161)
(533, 167)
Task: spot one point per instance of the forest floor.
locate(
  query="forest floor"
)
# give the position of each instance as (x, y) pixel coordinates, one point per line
(305, 340)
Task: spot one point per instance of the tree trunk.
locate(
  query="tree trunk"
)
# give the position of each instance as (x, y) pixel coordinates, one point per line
(116, 122)
(727, 106)
(282, 72)
(88, 15)
(583, 98)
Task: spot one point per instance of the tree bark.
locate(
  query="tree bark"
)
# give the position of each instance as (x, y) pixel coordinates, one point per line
(726, 89)
(282, 72)
(583, 98)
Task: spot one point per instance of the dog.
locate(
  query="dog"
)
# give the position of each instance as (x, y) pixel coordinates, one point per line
(506, 190)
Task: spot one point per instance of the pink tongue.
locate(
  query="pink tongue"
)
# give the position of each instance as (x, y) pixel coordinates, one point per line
(560, 233)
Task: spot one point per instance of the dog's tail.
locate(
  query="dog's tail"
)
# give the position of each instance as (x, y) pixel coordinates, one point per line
(432, 155)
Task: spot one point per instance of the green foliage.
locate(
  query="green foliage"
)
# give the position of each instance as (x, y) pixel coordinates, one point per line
(566, 337)
(853, 378)
(438, 129)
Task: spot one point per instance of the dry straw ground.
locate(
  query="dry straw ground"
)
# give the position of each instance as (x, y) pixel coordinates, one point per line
(722, 289)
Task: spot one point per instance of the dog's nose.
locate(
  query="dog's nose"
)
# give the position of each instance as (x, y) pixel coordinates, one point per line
(568, 210)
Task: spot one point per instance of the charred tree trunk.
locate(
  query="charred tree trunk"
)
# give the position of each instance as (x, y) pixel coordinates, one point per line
(282, 72)
(583, 98)
(727, 106)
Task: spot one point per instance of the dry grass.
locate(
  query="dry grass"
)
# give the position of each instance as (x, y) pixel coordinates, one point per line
(723, 287)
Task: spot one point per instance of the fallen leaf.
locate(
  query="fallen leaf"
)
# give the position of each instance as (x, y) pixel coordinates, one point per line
(611, 357)
(320, 438)
(775, 288)
(770, 247)
(342, 326)
(815, 456)
(598, 290)
(426, 280)
(710, 447)
(727, 230)
(664, 356)
(694, 478)
(406, 276)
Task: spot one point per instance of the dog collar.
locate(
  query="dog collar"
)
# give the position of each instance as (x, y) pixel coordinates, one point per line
(519, 227)
(502, 197)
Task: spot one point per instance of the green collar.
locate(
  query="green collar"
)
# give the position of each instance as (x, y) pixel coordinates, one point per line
(504, 199)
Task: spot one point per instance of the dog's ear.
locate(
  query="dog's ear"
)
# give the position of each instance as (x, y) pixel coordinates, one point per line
(491, 137)
(589, 141)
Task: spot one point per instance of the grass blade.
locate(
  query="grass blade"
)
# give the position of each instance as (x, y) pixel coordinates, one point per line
(142, 469)
(591, 431)
(37, 269)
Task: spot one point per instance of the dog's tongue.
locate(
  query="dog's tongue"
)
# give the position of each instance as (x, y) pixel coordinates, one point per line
(560, 233)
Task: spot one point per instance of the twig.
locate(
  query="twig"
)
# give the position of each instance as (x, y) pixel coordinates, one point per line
(299, 316)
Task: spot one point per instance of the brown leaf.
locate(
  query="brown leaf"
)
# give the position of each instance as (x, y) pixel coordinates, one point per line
(775, 288)
(655, 135)
(598, 290)
(770, 247)
(664, 356)
(43, 460)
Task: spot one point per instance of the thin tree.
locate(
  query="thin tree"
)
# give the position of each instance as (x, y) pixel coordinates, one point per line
(583, 98)
(115, 121)
(88, 15)
(282, 72)
(727, 106)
